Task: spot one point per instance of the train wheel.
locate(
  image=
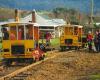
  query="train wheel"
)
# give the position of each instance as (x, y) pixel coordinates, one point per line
(8, 62)
(62, 48)
(32, 61)
(69, 47)
(76, 47)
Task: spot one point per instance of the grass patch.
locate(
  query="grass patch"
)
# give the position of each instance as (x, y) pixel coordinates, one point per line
(0, 45)
(95, 77)
(54, 42)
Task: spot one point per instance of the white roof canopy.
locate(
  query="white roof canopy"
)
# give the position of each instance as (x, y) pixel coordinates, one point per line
(41, 21)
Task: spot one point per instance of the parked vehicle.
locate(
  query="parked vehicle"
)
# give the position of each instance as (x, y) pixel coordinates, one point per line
(71, 37)
(20, 43)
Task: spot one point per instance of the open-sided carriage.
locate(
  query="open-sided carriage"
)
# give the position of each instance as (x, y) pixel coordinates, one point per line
(20, 42)
(71, 37)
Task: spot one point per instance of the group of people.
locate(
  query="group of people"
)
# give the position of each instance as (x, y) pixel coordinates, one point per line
(12, 35)
(94, 40)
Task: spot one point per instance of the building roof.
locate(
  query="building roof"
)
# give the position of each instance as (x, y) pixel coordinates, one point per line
(2, 23)
(41, 21)
(97, 24)
(24, 23)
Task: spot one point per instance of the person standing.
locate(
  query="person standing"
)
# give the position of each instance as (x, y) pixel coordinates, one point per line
(96, 41)
(48, 37)
(89, 40)
(99, 41)
(5, 33)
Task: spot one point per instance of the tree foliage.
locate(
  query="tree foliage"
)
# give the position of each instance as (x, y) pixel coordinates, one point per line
(70, 15)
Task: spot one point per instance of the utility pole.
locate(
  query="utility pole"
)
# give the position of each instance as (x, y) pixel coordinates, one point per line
(92, 12)
(91, 25)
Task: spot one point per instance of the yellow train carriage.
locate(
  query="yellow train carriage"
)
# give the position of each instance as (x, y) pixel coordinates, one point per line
(19, 41)
(71, 37)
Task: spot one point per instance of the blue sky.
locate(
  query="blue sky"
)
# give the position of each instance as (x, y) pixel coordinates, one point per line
(82, 5)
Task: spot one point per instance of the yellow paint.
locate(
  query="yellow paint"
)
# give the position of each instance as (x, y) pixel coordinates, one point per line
(28, 44)
(6, 44)
(71, 32)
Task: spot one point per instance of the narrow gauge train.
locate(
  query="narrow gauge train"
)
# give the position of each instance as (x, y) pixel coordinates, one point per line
(20, 42)
(71, 37)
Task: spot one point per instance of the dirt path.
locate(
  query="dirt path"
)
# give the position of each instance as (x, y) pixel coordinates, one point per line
(68, 66)
(73, 65)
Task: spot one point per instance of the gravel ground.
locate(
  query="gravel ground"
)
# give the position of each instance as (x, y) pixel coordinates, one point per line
(8, 70)
(77, 65)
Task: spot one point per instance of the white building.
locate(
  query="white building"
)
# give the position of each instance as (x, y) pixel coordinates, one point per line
(45, 25)
(50, 25)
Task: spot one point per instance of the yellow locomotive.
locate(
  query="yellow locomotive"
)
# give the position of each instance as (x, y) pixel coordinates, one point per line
(20, 42)
(71, 37)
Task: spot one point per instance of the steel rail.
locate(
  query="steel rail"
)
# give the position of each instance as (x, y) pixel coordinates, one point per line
(27, 68)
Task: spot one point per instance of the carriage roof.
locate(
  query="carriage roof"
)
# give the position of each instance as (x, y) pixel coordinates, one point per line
(79, 26)
(20, 23)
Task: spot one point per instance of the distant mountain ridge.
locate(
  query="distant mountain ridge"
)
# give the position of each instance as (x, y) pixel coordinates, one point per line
(82, 5)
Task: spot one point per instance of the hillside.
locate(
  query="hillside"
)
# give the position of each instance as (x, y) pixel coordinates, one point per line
(6, 13)
(82, 5)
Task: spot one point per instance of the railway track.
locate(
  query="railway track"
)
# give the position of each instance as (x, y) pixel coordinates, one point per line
(26, 72)
(6, 70)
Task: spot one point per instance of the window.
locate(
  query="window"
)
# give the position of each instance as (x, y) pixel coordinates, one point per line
(5, 31)
(13, 33)
(75, 30)
(21, 33)
(29, 32)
